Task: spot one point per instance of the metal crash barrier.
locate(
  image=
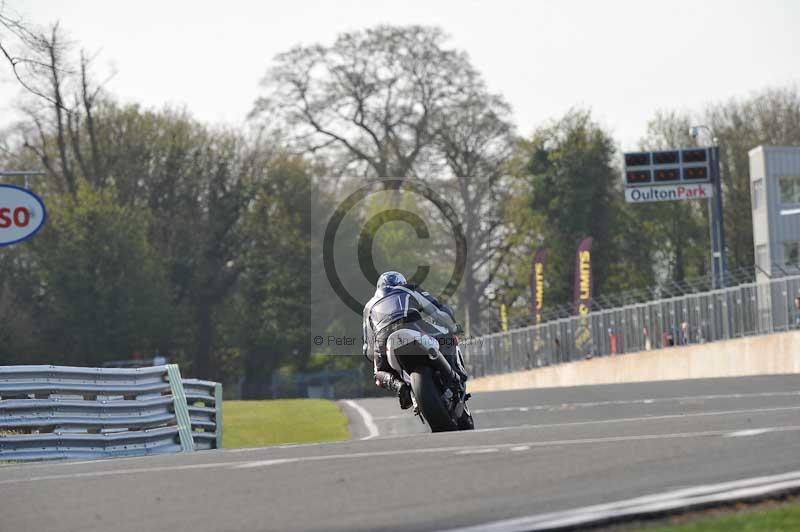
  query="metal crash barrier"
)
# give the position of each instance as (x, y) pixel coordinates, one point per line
(697, 318)
(53, 412)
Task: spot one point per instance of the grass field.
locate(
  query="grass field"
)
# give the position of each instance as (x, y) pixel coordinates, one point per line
(781, 519)
(257, 423)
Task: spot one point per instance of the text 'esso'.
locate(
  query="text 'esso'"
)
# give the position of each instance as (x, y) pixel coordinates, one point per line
(22, 214)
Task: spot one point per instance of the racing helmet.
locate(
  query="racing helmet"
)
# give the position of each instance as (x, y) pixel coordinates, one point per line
(389, 279)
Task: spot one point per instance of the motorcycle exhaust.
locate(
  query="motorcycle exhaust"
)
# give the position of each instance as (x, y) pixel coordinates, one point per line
(440, 362)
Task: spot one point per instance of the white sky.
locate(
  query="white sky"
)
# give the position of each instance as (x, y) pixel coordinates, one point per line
(623, 59)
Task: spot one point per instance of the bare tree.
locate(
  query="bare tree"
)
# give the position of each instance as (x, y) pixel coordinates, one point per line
(476, 139)
(396, 102)
(369, 100)
(26, 51)
(61, 117)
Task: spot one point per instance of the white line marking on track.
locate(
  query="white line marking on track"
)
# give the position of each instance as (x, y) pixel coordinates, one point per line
(648, 504)
(282, 446)
(474, 448)
(642, 418)
(479, 451)
(374, 454)
(521, 448)
(114, 472)
(750, 432)
(372, 428)
(648, 401)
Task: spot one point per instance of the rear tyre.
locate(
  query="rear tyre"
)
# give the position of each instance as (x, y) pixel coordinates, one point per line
(430, 401)
(465, 422)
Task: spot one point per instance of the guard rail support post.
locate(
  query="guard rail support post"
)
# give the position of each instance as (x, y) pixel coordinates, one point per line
(218, 416)
(181, 408)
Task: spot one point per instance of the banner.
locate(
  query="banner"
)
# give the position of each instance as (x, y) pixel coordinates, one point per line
(503, 317)
(583, 296)
(537, 285)
(583, 277)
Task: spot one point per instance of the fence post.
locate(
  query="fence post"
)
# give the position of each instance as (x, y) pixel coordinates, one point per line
(218, 414)
(726, 323)
(786, 304)
(181, 408)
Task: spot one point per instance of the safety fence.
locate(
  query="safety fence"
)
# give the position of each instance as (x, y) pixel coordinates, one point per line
(50, 412)
(661, 290)
(743, 310)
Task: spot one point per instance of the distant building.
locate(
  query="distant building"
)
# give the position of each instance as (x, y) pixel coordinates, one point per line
(775, 201)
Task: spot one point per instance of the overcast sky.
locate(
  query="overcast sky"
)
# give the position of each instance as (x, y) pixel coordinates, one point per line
(623, 59)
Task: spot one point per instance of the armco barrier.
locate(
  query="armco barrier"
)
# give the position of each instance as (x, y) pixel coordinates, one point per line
(49, 412)
(205, 412)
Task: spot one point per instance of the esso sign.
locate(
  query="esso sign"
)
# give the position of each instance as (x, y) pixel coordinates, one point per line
(22, 213)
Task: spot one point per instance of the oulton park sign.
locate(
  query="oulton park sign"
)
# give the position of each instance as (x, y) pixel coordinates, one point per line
(669, 193)
(671, 175)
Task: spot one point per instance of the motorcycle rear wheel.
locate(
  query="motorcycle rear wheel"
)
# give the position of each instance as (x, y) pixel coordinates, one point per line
(465, 422)
(430, 401)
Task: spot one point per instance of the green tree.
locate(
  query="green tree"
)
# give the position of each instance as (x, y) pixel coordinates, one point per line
(270, 314)
(569, 189)
(770, 117)
(572, 185)
(678, 231)
(102, 289)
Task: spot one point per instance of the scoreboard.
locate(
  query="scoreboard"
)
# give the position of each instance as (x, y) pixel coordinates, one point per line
(668, 175)
(667, 167)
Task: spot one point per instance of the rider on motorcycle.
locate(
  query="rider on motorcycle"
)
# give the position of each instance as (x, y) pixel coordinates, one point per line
(395, 305)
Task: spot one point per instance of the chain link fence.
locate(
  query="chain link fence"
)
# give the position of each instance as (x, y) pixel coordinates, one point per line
(744, 310)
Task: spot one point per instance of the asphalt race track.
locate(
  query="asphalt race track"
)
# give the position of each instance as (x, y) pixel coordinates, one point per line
(536, 452)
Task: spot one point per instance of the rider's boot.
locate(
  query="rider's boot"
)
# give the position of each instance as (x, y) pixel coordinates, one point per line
(404, 395)
(390, 381)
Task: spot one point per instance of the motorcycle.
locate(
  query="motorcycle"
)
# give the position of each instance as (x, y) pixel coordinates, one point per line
(438, 398)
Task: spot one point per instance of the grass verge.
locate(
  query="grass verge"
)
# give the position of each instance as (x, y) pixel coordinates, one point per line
(783, 518)
(258, 423)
